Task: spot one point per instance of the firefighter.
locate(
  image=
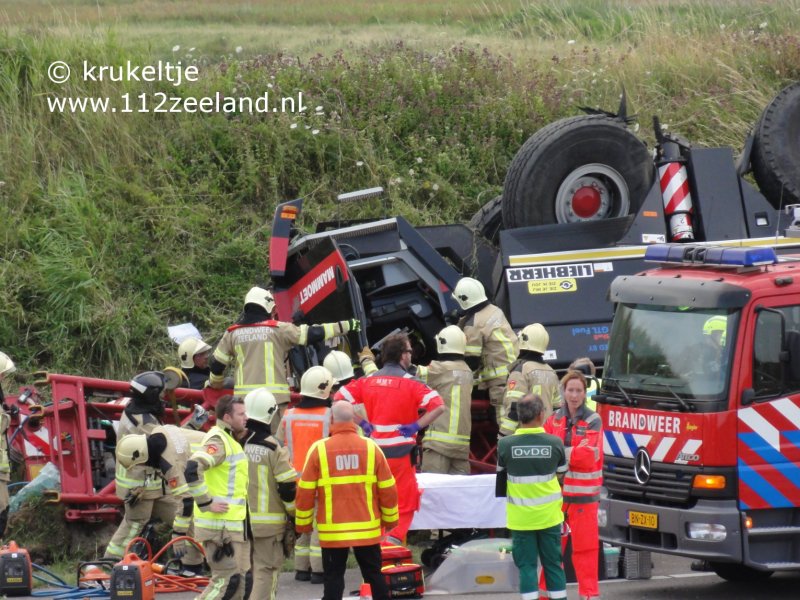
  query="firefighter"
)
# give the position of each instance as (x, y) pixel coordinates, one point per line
(300, 427)
(581, 430)
(194, 354)
(140, 487)
(270, 493)
(217, 475)
(393, 399)
(259, 346)
(586, 366)
(341, 367)
(491, 343)
(445, 448)
(7, 367)
(167, 450)
(349, 480)
(530, 375)
(529, 465)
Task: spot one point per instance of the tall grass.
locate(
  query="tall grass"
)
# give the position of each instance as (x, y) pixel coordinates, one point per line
(114, 226)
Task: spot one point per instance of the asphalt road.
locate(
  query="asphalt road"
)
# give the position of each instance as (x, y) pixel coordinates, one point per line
(671, 580)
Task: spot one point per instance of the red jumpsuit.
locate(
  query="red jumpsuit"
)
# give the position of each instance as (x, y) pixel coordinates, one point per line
(392, 397)
(581, 489)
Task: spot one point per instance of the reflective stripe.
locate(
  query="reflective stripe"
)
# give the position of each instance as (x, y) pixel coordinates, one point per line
(180, 490)
(291, 474)
(534, 501)
(328, 329)
(347, 395)
(531, 478)
(268, 518)
(350, 535)
(495, 373)
(386, 428)
(422, 373)
(473, 350)
(511, 354)
(529, 595)
(448, 438)
(557, 594)
(583, 490)
(428, 397)
(220, 524)
(592, 475)
(393, 441)
(347, 526)
(302, 338)
(222, 356)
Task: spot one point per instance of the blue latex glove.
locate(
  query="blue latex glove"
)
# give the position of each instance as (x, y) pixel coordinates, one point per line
(409, 430)
(366, 427)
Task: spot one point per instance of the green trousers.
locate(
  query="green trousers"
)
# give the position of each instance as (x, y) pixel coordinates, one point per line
(542, 545)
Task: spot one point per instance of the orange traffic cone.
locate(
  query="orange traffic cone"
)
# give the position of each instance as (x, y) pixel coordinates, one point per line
(365, 593)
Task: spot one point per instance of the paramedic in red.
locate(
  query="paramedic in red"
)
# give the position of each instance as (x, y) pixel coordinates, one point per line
(393, 399)
(581, 430)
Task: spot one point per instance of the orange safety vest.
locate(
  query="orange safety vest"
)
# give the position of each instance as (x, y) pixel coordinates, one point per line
(584, 474)
(348, 478)
(301, 428)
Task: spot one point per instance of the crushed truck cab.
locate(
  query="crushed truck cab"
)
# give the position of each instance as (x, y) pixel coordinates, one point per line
(701, 409)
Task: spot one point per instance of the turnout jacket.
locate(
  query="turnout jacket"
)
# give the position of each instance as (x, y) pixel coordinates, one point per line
(490, 337)
(349, 479)
(585, 473)
(271, 488)
(449, 433)
(138, 476)
(528, 377)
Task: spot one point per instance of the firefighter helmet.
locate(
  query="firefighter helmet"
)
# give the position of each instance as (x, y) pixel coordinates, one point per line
(469, 292)
(340, 365)
(188, 348)
(261, 297)
(6, 364)
(132, 450)
(717, 328)
(451, 340)
(147, 388)
(260, 405)
(534, 337)
(316, 383)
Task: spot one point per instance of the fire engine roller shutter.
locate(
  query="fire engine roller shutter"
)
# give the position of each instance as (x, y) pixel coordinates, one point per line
(565, 169)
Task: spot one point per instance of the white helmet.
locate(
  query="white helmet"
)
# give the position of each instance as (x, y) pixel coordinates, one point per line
(451, 340)
(6, 364)
(469, 292)
(132, 450)
(340, 365)
(260, 296)
(188, 348)
(260, 405)
(534, 337)
(316, 383)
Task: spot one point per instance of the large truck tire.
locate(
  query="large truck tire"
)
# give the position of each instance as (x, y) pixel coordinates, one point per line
(488, 221)
(776, 148)
(577, 169)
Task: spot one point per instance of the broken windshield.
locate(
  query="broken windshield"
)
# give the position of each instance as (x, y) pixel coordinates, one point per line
(671, 352)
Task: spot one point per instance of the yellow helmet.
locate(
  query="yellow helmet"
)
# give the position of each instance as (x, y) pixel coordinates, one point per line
(316, 383)
(717, 324)
(260, 405)
(7, 365)
(469, 292)
(261, 297)
(132, 450)
(451, 340)
(535, 338)
(339, 364)
(188, 348)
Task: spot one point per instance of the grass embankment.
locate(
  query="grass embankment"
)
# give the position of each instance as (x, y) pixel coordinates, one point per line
(115, 225)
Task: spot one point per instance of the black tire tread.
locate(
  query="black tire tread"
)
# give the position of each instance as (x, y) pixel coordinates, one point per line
(488, 221)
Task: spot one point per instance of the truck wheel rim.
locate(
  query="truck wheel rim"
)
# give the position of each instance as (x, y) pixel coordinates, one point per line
(590, 193)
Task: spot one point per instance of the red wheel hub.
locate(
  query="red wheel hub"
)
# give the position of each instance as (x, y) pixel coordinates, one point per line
(586, 202)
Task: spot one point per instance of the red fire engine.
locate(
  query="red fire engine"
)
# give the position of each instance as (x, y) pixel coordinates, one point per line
(701, 409)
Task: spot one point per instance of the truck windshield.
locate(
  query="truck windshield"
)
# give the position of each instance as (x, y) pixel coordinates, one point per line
(670, 352)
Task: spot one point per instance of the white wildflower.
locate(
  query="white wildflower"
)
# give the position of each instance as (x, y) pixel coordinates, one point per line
(359, 163)
(269, 85)
(722, 25)
(176, 48)
(238, 49)
(411, 172)
(314, 131)
(435, 187)
(318, 109)
(293, 126)
(762, 25)
(570, 42)
(191, 49)
(419, 160)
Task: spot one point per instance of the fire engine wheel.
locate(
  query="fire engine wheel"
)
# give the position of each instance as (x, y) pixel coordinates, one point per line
(776, 148)
(488, 221)
(739, 573)
(584, 168)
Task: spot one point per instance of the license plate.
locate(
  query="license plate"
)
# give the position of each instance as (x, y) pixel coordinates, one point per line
(642, 519)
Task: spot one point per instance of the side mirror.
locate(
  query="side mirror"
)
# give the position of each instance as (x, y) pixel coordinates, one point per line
(748, 396)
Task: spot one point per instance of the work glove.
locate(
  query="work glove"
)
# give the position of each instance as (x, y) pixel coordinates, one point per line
(179, 549)
(133, 497)
(366, 353)
(350, 326)
(199, 417)
(409, 430)
(366, 427)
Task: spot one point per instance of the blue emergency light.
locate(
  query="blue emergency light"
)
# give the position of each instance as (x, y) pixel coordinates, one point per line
(719, 256)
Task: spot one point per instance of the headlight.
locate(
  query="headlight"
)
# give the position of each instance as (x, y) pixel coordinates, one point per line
(709, 532)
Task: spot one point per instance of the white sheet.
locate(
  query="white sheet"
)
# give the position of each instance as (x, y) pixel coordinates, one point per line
(458, 502)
